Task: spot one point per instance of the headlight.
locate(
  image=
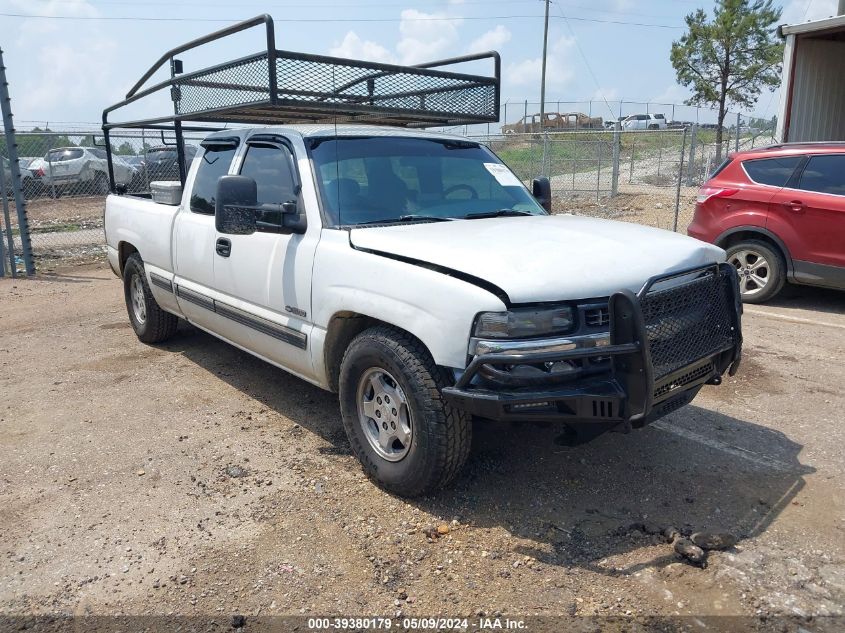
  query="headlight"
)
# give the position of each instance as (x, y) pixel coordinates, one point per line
(524, 322)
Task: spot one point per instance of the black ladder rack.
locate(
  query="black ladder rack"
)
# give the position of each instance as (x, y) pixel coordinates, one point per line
(277, 87)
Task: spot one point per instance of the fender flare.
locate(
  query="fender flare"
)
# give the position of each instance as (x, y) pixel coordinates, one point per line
(764, 232)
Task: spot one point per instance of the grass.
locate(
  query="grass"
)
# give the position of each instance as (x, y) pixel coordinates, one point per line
(51, 228)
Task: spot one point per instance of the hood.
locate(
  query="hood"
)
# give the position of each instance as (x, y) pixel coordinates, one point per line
(544, 258)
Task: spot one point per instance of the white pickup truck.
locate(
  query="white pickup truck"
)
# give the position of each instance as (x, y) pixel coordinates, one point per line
(414, 274)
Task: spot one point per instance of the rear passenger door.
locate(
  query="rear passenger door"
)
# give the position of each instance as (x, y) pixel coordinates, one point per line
(263, 281)
(813, 205)
(769, 176)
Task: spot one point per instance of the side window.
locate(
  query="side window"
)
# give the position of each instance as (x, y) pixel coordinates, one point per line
(772, 171)
(270, 167)
(215, 163)
(825, 174)
(99, 153)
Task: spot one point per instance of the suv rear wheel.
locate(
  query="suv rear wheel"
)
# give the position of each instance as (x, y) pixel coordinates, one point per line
(762, 272)
(409, 441)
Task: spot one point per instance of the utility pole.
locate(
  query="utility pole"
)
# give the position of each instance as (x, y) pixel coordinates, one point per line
(543, 77)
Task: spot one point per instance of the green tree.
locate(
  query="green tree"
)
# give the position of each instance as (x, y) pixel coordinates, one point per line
(125, 149)
(728, 60)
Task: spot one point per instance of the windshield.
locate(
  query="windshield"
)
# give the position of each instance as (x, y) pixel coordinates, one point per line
(161, 154)
(390, 178)
(59, 155)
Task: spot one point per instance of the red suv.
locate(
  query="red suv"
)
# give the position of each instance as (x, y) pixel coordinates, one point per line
(779, 212)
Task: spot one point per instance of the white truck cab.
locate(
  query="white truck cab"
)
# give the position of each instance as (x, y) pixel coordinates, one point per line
(414, 274)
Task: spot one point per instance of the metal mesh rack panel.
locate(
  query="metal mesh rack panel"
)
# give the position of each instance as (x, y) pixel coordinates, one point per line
(239, 83)
(315, 88)
(690, 321)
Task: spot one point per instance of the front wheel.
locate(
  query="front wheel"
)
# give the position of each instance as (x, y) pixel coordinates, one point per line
(761, 270)
(150, 322)
(408, 439)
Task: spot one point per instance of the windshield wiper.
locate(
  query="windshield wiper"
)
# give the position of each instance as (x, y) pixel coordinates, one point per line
(413, 217)
(496, 214)
(405, 218)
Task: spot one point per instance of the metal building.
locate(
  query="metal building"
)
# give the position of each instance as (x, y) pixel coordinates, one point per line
(812, 100)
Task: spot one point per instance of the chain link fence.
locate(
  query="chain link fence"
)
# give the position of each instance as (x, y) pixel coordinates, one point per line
(645, 176)
(524, 117)
(64, 179)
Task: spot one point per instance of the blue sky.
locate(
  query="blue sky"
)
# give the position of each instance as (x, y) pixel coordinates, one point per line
(67, 70)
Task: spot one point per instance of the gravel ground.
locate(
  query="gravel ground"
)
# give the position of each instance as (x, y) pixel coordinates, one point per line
(193, 479)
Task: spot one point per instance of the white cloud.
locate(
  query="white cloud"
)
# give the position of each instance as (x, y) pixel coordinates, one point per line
(76, 76)
(673, 93)
(558, 67)
(797, 11)
(425, 36)
(491, 40)
(70, 77)
(29, 31)
(354, 47)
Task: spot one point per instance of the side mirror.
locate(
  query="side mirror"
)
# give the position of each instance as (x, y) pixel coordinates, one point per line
(292, 218)
(234, 206)
(541, 189)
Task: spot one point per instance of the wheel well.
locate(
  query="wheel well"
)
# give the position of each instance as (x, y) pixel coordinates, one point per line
(124, 250)
(343, 327)
(741, 236)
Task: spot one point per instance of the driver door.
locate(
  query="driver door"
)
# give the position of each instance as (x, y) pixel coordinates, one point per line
(263, 280)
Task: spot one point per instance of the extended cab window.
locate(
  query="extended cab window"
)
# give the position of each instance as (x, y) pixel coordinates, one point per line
(824, 174)
(271, 167)
(772, 171)
(214, 163)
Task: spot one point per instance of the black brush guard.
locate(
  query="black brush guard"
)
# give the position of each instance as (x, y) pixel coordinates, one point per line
(679, 332)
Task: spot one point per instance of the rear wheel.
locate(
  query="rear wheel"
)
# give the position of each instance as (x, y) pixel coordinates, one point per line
(150, 322)
(762, 272)
(408, 439)
(100, 184)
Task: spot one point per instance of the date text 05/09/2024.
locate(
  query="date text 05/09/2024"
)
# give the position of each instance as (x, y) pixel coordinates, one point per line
(416, 624)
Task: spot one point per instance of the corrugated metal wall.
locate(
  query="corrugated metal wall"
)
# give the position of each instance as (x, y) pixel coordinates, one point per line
(818, 91)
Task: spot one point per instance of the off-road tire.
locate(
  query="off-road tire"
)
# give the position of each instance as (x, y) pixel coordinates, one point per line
(777, 268)
(158, 326)
(441, 434)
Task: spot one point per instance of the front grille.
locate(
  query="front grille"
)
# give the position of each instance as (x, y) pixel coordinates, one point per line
(689, 321)
(597, 317)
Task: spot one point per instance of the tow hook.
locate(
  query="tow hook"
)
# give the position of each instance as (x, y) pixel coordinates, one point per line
(715, 380)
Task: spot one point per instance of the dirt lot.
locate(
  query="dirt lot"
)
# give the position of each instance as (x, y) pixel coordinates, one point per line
(191, 478)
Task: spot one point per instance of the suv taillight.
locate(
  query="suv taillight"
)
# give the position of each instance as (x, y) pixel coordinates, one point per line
(705, 193)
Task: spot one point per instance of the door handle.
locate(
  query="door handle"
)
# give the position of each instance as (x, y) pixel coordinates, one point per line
(223, 247)
(796, 206)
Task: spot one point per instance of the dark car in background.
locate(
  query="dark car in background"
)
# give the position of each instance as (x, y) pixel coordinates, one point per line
(159, 163)
(779, 212)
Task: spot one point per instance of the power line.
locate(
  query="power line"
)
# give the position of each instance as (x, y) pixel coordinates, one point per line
(380, 5)
(231, 5)
(586, 61)
(350, 20)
